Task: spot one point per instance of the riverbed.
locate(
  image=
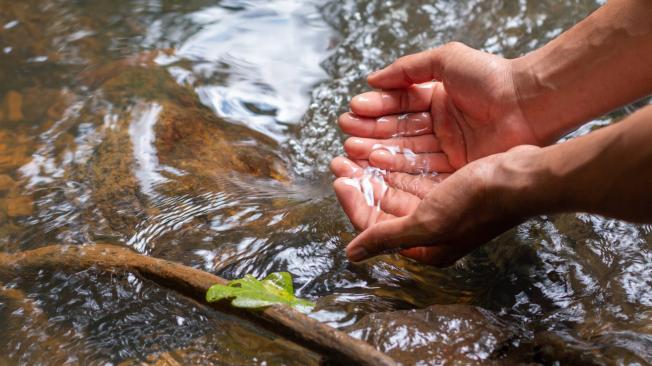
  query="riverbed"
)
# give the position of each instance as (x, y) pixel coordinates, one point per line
(200, 132)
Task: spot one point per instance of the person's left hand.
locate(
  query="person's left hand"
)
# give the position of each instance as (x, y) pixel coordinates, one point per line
(437, 220)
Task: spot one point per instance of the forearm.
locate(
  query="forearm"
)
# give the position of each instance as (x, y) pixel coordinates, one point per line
(598, 65)
(606, 172)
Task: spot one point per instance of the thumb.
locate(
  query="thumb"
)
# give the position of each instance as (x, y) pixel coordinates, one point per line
(389, 235)
(408, 70)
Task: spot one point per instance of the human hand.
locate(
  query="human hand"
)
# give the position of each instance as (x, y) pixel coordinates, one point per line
(471, 111)
(437, 219)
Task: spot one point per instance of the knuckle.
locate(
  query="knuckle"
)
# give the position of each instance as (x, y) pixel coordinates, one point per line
(402, 62)
(454, 45)
(406, 66)
(404, 101)
(424, 224)
(410, 144)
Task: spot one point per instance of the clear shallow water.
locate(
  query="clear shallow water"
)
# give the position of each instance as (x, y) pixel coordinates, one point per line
(201, 132)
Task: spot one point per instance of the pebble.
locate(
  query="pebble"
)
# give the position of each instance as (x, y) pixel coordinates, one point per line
(19, 206)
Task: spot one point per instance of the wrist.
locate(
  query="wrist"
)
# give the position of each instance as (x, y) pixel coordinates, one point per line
(537, 92)
(524, 183)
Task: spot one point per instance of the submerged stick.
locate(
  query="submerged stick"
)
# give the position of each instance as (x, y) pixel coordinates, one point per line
(334, 344)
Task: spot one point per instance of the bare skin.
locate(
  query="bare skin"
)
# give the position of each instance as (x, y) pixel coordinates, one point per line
(480, 106)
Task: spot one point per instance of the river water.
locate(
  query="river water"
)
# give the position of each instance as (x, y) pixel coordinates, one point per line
(200, 132)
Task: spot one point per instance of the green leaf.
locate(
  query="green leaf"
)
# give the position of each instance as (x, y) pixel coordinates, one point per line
(249, 292)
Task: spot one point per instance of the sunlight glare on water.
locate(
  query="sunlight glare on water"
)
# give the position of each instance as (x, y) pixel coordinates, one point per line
(201, 132)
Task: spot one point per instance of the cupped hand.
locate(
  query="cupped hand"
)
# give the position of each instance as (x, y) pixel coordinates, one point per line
(435, 219)
(469, 111)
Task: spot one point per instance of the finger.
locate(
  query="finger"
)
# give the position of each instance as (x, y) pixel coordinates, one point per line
(407, 124)
(398, 203)
(385, 236)
(410, 162)
(360, 148)
(418, 185)
(362, 163)
(438, 256)
(412, 69)
(343, 167)
(374, 189)
(356, 204)
(415, 98)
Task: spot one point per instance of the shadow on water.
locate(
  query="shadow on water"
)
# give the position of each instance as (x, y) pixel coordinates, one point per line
(200, 132)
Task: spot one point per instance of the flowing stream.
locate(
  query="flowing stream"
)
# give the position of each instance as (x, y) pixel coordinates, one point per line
(200, 132)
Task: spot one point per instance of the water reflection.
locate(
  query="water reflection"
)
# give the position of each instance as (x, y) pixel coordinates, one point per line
(178, 130)
(255, 63)
(141, 131)
(94, 318)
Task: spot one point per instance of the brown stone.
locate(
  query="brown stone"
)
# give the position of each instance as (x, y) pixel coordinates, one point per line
(19, 206)
(15, 106)
(440, 334)
(6, 183)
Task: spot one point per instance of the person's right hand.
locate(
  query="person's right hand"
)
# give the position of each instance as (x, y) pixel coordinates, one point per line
(472, 110)
(437, 221)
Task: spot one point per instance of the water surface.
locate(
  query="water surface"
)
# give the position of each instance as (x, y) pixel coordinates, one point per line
(200, 132)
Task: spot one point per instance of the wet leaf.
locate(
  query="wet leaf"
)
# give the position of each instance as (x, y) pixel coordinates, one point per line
(249, 292)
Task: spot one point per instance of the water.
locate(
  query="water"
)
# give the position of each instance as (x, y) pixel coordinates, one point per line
(201, 132)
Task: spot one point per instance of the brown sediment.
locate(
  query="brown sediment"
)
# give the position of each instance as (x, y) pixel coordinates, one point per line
(6, 183)
(35, 320)
(19, 206)
(15, 150)
(234, 349)
(29, 307)
(14, 106)
(333, 344)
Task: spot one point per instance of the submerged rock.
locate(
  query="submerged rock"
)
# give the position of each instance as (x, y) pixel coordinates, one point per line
(19, 206)
(14, 102)
(166, 147)
(441, 334)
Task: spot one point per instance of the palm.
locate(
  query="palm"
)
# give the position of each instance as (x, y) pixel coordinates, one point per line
(472, 113)
(434, 127)
(399, 194)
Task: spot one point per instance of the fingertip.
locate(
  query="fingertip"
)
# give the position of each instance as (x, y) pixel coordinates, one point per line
(333, 165)
(355, 148)
(347, 191)
(374, 77)
(388, 78)
(352, 124)
(344, 189)
(356, 253)
(367, 104)
(341, 119)
(343, 167)
(381, 159)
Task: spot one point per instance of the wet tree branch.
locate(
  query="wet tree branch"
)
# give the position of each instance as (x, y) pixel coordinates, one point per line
(335, 345)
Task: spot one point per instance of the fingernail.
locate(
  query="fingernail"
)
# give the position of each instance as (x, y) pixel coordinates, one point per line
(355, 141)
(353, 116)
(361, 99)
(357, 253)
